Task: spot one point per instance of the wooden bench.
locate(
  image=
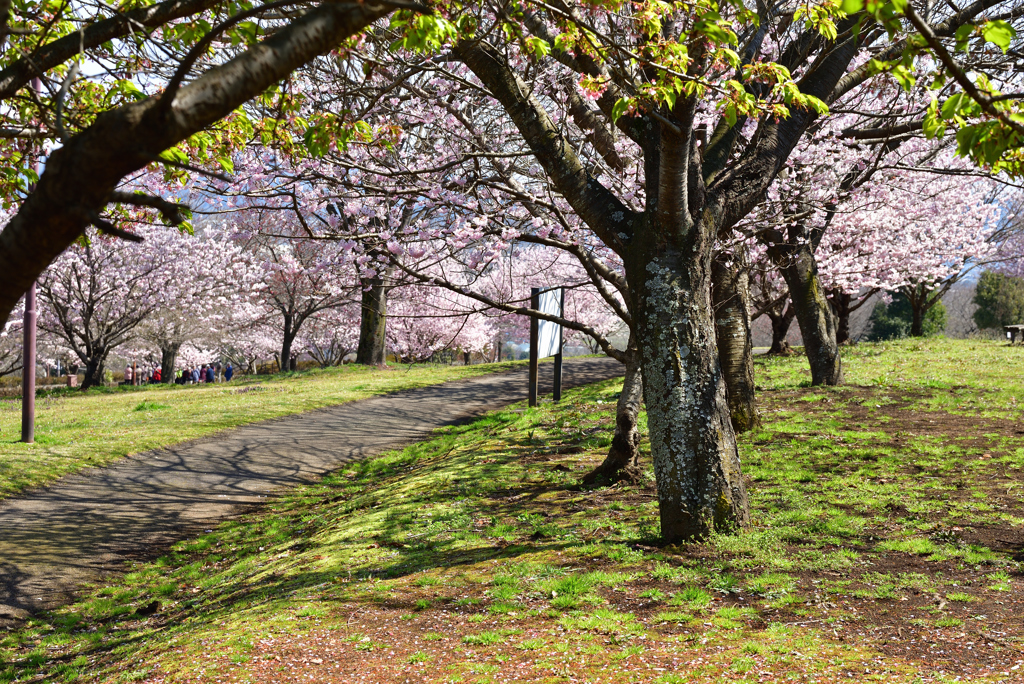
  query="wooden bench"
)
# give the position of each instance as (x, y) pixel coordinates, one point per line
(1012, 331)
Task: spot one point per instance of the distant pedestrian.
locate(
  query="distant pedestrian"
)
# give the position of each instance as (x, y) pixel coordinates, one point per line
(127, 375)
(228, 372)
(209, 374)
(195, 376)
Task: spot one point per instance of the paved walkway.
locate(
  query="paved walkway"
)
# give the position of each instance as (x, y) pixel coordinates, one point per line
(88, 524)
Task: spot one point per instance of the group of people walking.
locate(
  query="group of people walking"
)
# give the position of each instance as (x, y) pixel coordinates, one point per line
(208, 373)
(189, 376)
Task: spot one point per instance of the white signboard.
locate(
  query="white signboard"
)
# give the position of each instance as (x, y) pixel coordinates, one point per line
(549, 335)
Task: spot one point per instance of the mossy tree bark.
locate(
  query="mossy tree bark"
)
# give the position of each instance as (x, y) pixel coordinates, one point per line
(793, 254)
(841, 305)
(694, 192)
(781, 317)
(623, 459)
(730, 293)
(372, 349)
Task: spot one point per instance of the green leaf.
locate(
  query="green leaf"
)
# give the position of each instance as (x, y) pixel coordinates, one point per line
(852, 6)
(951, 107)
(963, 34)
(904, 76)
(226, 163)
(621, 107)
(539, 47)
(814, 103)
(998, 32)
(730, 114)
(933, 126)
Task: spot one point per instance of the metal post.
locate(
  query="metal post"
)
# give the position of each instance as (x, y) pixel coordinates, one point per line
(534, 324)
(558, 357)
(28, 370)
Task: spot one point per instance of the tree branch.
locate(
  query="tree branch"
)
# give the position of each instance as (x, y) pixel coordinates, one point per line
(80, 176)
(171, 211)
(601, 340)
(958, 74)
(595, 204)
(14, 77)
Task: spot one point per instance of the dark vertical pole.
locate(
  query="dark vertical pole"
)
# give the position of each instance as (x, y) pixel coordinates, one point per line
(558, 357)
(534, 304)
(28, 360)
(28, 369)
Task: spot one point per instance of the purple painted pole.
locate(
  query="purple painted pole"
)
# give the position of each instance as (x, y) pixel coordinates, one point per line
(28, 355)
(28, 370)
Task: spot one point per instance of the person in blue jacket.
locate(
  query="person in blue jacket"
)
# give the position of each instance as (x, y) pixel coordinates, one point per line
(228, 372)
(209, 374)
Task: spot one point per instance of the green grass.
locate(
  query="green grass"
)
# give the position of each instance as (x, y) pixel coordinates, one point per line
(76, 429)
(430, 555)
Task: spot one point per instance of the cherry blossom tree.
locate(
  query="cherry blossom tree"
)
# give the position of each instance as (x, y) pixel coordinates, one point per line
(299, 276)
(96, 296)
(913, 232)
(330, 335)
(114, 124)
(710, 130)
(208, 278)
(11, 341)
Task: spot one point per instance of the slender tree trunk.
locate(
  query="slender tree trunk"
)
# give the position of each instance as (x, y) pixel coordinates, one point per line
(623, 459)
(372, 349)
(781, 321)
(917, 296)
(730, 294)
(700, 486)
(814, 314)
(284, 363)
(168, 359)
(841, 306)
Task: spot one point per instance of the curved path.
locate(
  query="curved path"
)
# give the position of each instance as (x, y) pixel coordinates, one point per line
(87, 524)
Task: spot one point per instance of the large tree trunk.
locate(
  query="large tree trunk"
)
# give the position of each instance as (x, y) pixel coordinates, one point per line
(730, 294)
(372, 349)
(94, 367)
(168, 359)
(781, 320)
(623, 459)
(284, 363)
(667, 255)
(700, 486)
(814, 315)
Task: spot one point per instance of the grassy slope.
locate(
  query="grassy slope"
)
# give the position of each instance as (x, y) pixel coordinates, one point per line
(472, 557)
(76, 430)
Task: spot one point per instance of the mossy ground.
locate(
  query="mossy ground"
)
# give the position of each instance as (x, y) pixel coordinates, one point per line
(886, 545)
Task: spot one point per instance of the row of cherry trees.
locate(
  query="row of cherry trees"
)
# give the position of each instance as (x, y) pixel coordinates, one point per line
(254, 285)
(641, 139)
